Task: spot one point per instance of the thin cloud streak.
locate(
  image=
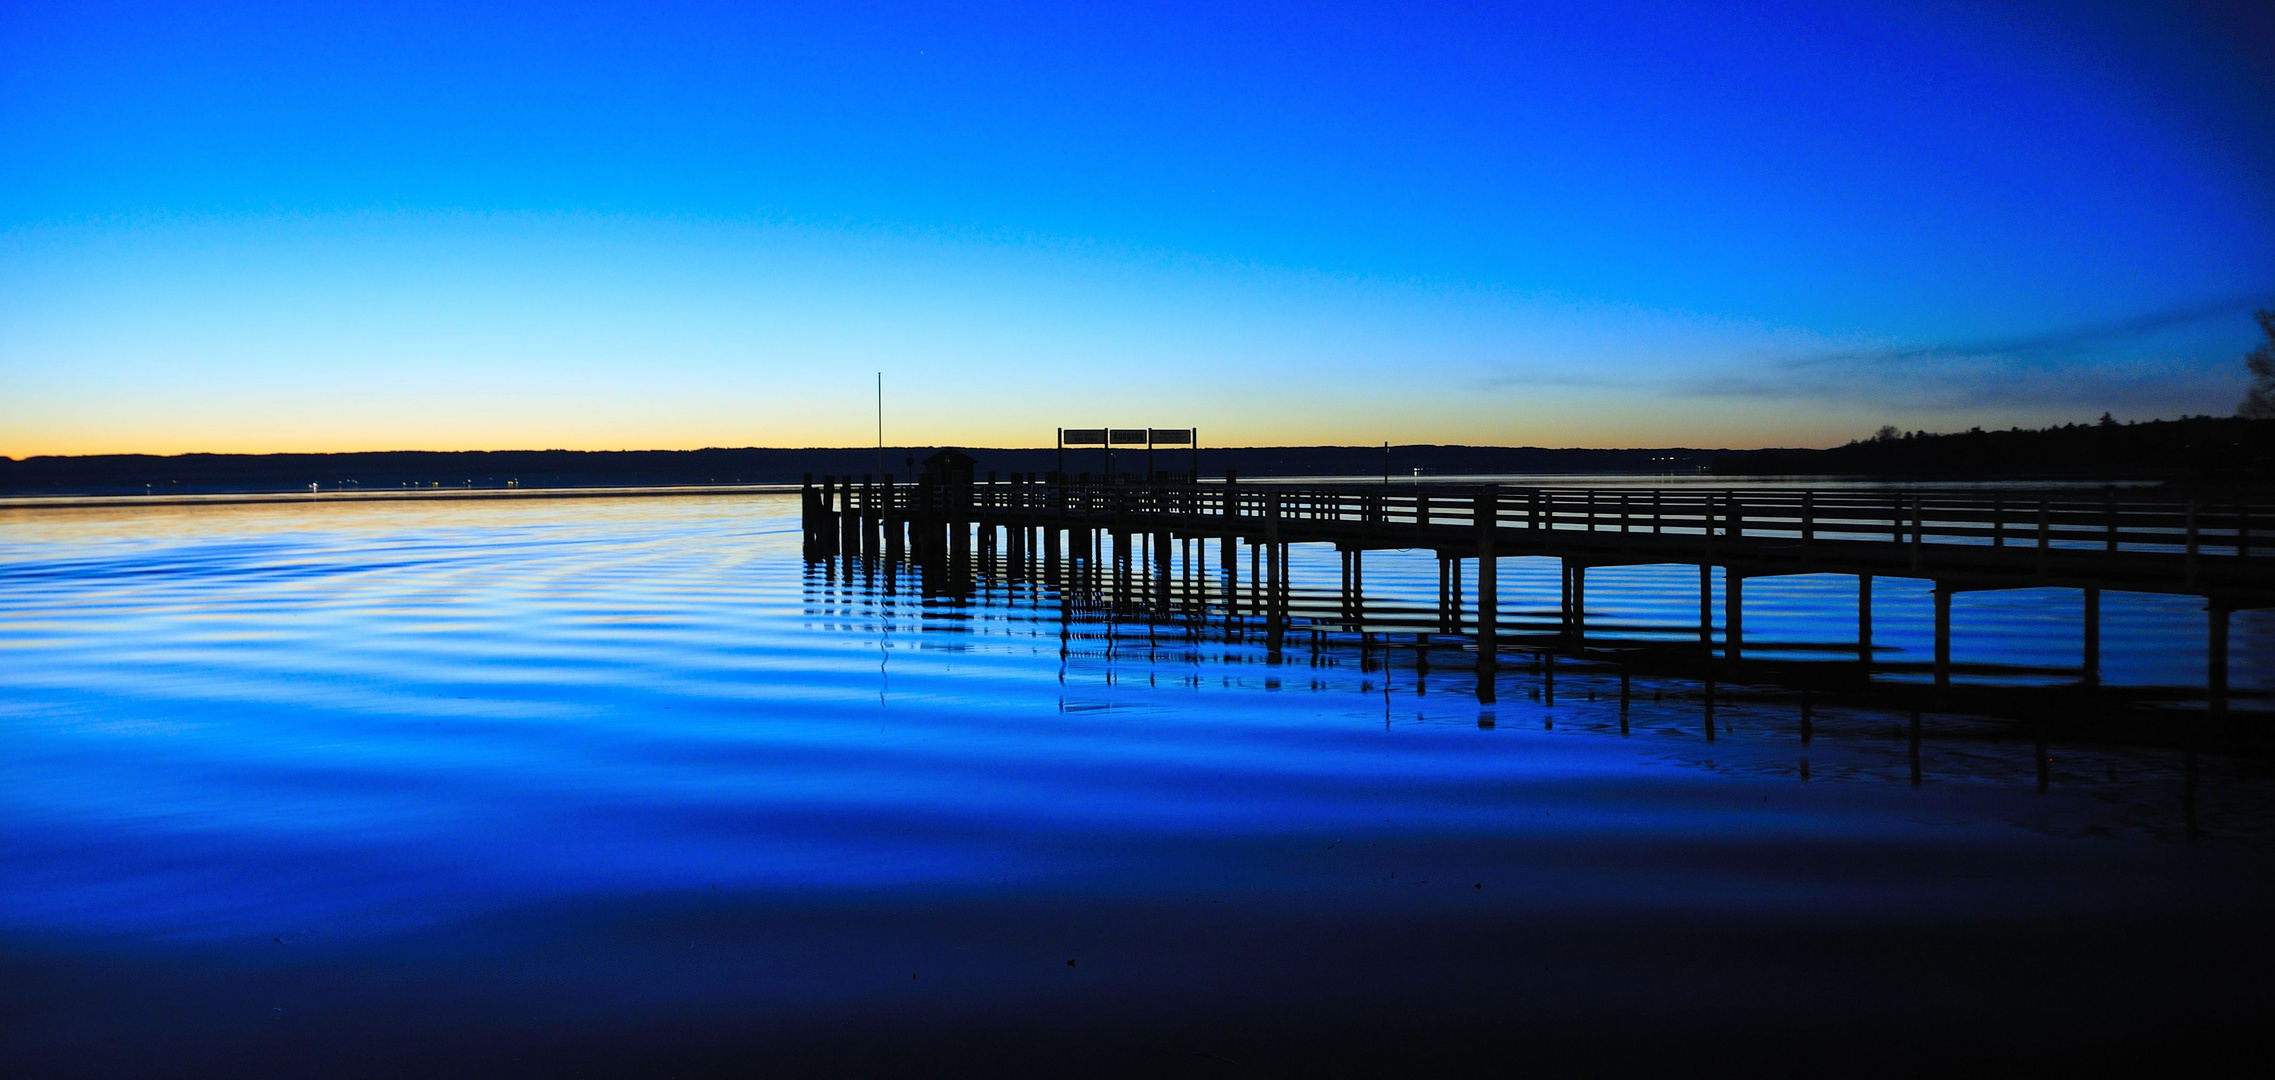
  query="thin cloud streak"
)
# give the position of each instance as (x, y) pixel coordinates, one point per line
(2045, 346)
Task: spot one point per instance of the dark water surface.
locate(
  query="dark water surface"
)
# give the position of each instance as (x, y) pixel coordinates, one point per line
(627, 787)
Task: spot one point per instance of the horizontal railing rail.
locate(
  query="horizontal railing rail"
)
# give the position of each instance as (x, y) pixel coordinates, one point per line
(2113, 522)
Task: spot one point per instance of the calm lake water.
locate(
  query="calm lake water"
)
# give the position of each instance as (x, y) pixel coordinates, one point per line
(627, 786)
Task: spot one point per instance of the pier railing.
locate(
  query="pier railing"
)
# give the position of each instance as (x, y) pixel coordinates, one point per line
(2109, 521)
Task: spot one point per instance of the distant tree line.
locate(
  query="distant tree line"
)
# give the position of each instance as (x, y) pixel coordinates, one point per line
(2192, 449)
(2259, 400)
(137, 474)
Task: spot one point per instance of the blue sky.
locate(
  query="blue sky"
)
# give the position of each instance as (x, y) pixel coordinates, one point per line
(338, 227)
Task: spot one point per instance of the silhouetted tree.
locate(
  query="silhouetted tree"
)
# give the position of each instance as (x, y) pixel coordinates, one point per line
(2259, 401)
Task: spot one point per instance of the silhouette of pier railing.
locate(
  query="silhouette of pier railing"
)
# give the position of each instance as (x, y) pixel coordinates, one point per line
(1962, 540)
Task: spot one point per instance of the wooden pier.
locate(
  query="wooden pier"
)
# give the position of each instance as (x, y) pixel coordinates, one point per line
(2136, 540)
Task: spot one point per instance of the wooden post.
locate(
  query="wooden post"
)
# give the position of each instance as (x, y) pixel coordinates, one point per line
(1164, 550)
(1275, 580)
(1706, 607)
(1808, 522)
(1864, 619)
(1452, 564)
(1287, 587)
(2092, 659)
(1915, 747)
(1255, 574)
(2216, 659)
(871, 519)
(807, 510)
(1580, 608)
(1441, 592)
(1487, 517)
(1733, 614)
(1343, 593)
(1564, 599)
(2109, 513)
(1359, 589)
(1942, 637)
(895, 541)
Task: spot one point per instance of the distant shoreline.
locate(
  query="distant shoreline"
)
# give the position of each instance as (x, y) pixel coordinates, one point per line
(406, 473)
(2213, 451)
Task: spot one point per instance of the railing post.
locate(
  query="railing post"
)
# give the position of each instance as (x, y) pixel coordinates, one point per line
(2109, 511)
(1808, 522)
(1998, 522)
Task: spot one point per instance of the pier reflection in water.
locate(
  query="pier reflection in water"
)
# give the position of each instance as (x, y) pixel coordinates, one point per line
(1400, 609)
(631, 781)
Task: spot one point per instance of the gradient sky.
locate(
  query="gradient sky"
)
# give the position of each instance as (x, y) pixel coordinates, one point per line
(255, 227)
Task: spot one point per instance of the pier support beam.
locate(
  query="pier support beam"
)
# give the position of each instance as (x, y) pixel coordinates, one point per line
(1733, 614)
(2090, 665)
(2216, 658)
(1942, 637)
(1864, 619)
(1706, 608)
(1488, 583)
(1579, 607)
(1162, 553)
(1564, 601)
(1444, 581)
